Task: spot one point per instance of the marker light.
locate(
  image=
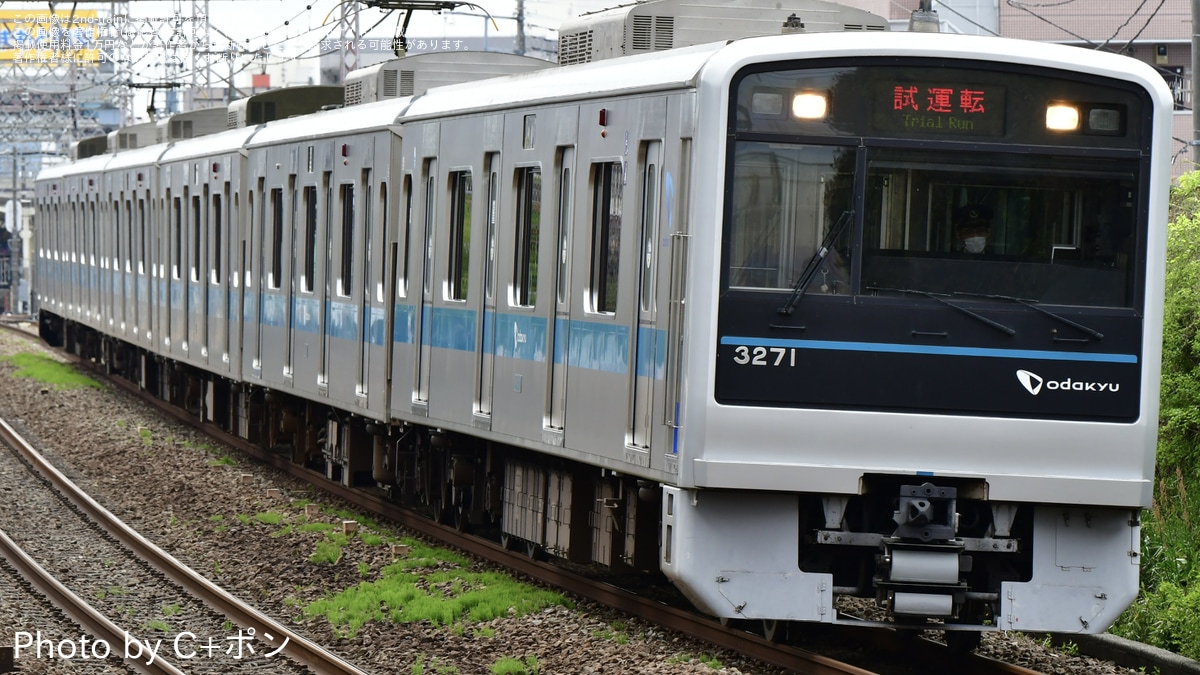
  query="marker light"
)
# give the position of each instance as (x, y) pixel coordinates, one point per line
(1104, 120)
(809, 106)
(1062, 117)
(766, 103)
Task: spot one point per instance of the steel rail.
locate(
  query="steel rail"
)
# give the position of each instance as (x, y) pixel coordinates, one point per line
(298, 648)
(88, 617)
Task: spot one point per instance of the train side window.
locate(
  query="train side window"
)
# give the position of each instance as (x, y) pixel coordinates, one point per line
(402, 282)
(116, 248)
(141, 256)
(564, 230)
(460, 235)
(310, 239)
(607, 179)
(129, 235)
(346, 275)
(248, 257)
(276, 276)
(649, 230)
(93, 226)
(529, 218)
(177, 240)
(217, 252)
(195, 238)
(493, 212)
(383, 218)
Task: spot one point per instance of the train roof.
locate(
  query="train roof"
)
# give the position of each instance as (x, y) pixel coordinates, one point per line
(342, 121)
(91, 164)
(220, 143)
(658, 71)
(135, 157)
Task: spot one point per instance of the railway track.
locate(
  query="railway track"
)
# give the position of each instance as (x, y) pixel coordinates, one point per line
(304, 655)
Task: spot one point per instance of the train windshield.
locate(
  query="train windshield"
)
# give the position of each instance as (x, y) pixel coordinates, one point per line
(959, 182)
(1038, 228)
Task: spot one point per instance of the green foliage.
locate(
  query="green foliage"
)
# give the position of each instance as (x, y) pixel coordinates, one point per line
(269, 517)
(48, 371)
(326, 552)
(1167, 612)
(431, 585)
(507, 665)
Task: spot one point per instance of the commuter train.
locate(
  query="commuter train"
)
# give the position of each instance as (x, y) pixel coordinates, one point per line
(787, 318)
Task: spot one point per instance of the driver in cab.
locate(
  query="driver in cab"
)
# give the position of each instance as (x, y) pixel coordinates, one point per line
(972, 229)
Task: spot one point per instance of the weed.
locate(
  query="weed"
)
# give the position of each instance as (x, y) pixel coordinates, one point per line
(269, 517)
(243, 518)
(155, 624)
(223, 460)
(216, 517)
(508, 665)
(172, 610)
(282, 532)
(364, 569)
(326, 552)
(441, 596)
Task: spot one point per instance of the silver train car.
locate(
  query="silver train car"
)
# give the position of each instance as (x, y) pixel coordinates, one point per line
(785, 318)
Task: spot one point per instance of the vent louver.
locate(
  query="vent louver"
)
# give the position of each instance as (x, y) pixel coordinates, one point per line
(408, 82)
(575, 48)
(354, 93)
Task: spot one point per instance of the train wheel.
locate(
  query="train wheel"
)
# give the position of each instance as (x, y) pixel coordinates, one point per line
(533, 551)
(775, 630)
(462, 518)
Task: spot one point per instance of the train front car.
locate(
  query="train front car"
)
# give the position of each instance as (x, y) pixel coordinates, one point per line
(926, 369)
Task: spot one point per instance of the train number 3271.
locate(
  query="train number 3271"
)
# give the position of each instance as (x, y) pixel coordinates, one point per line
(764, 356)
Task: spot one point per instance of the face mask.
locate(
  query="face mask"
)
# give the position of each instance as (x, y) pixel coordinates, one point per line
(975, 244)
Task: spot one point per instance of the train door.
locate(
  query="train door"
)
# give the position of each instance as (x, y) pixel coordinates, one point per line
(178, 304)
(487, 327)
(559, 336)
(401, 332)
(145, 274)
(367, 275)
(425, 328)
(646, 350)
(218, 298)
(258, 263)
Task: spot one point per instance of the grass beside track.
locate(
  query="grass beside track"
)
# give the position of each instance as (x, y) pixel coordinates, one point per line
(48, 371)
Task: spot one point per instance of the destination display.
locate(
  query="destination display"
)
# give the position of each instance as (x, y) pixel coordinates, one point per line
(939, 108)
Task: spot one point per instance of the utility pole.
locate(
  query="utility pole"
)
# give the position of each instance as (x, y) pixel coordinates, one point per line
(521, 26)
(1195, 73)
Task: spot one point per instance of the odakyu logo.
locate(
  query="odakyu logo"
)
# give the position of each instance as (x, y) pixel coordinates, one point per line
(1034, 384)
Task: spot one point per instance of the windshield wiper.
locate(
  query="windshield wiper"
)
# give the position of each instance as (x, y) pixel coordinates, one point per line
(1032, 304)
(814, 263)
(942, 299)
